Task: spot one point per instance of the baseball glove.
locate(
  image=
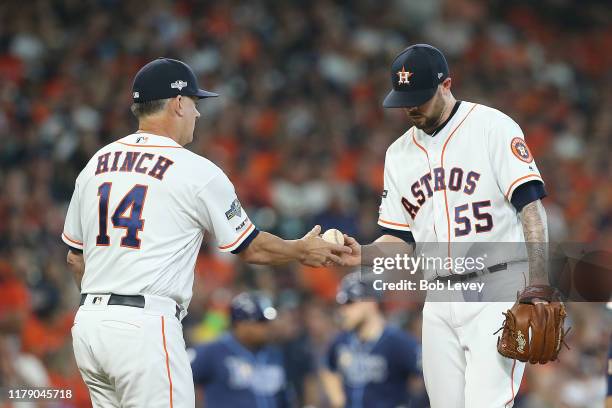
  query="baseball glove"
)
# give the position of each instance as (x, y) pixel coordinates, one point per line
(534, 331)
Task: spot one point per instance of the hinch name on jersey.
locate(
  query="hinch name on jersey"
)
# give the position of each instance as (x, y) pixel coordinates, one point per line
(139, 162)
(437, 180)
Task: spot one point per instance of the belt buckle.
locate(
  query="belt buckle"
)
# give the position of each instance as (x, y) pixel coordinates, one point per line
(471, 275)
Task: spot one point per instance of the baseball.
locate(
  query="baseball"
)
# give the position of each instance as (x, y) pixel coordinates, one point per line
(334, 236)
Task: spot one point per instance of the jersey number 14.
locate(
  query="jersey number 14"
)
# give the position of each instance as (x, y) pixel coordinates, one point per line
(132, 223)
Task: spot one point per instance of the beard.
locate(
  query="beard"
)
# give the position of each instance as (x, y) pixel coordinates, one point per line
(430, 121)
(424, 123)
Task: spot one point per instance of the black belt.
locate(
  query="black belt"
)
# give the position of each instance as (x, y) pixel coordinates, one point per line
(463, 278)
(125, 300)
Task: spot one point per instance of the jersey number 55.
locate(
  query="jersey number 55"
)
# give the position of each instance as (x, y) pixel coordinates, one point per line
(464, 224)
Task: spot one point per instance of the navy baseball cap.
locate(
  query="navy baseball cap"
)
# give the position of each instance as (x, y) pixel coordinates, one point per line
(254, 307)
(166, 78)
(353, 288)
(415, 75)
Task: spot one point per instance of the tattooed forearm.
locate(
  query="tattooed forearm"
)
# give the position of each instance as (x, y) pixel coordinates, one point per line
(533, 218)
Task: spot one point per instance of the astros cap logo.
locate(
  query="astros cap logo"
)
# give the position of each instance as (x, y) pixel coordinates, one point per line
(404, 76)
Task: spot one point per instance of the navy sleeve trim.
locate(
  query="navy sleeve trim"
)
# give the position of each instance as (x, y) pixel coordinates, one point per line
(74, 250)
(527, 193)
(246, 242)
(405, 236)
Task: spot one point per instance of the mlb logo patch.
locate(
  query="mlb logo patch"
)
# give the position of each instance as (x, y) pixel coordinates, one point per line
(97, 300)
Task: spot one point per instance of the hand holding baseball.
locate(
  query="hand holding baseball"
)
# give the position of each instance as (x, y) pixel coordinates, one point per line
(352, 258)
(318, 251)
(334, 236)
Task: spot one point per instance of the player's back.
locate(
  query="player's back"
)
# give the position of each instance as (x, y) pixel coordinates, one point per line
(234, 376)
(140, 205)
(375, 373)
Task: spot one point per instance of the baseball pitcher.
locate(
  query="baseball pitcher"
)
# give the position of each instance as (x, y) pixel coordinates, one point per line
(463, 173)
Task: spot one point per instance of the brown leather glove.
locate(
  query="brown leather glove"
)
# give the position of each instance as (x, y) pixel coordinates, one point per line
(534, 332)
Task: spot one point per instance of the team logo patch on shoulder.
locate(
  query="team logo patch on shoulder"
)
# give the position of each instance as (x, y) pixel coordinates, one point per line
(234, 211)
(520, 150)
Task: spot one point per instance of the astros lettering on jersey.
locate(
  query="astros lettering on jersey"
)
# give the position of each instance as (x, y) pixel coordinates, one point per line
(447, 192)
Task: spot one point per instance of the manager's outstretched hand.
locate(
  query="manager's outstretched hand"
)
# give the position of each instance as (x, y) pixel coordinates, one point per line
(318, 252)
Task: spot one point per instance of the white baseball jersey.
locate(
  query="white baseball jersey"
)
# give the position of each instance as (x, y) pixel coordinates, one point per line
(139, 211)
(457, 185)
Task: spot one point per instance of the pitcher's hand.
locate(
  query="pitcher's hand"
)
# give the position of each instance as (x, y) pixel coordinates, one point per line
(352, 258)
(316, 252)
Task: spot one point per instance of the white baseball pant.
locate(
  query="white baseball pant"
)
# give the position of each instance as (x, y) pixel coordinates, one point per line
(461, 365)
(133, 357)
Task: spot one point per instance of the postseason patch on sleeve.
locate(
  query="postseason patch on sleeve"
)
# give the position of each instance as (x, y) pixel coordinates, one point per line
(235, 210)
(520, 150)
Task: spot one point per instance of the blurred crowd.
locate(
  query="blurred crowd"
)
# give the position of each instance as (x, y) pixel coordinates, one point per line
(300, 130)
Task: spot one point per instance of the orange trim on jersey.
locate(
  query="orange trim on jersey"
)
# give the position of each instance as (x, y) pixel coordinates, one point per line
(421, 147)
(519, 179)
(239, 238)
(137, 145)
(71, 240)
(430, 172)
(393, 223)
(442, 164)
(511, 384)
(167, 357)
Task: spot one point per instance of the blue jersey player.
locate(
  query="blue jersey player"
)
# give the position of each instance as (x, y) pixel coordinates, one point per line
(241, 369)
(370, 363)
(609, 397)
(609, 367)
